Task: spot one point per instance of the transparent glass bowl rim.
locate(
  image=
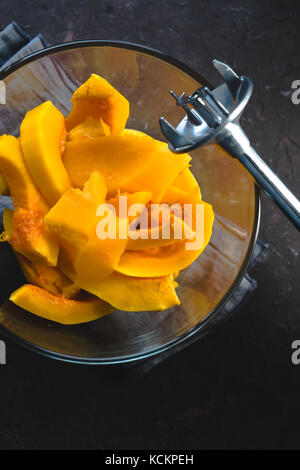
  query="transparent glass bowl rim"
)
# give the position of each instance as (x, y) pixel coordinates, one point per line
(68, 46)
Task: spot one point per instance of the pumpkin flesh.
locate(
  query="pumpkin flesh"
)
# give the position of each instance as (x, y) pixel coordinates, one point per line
(81, 252)
(28, 236)
(42, 135)
(57, 308)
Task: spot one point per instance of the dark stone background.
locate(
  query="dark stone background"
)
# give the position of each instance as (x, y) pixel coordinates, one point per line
(237, 387)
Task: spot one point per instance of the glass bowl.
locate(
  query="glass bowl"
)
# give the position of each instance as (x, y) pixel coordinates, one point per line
(145, 77)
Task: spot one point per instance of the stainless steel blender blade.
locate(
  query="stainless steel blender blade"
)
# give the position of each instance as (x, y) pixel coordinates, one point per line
(212, 116)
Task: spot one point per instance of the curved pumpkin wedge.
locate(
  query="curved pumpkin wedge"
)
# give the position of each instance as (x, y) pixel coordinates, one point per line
(173, 195)
(140, 197)
(48, 278)
(154, 236)
(181, 187)
(43, 135)
(84, 257)
(32, 239)
(96, 98)
(117, 157)
(157, 175)
(88, 129)
(3, 187)
(73, 217)
(89, 264)
(134, 294)
(95, 187)
(57, 308)
(15, 172)
(130, 162)
(166, 260)
(86, 263)
(29, 236)
(185, 181)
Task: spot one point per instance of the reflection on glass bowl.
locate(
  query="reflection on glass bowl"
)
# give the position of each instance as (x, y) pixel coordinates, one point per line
(145, 77)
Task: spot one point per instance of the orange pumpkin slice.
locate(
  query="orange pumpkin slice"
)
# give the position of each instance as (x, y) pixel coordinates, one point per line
(134, 294)
(96, 98)
(49, 278)
(57, 308)
(117, 157)
(181, 187)
(161, 235)
(161, 261)
(130, 162)
(28, 235)
(159, 173)
(140, 197)
(88, 129)
(84, 257)
(43, 134)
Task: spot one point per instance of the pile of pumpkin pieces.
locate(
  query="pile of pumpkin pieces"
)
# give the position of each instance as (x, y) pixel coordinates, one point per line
(58, 172)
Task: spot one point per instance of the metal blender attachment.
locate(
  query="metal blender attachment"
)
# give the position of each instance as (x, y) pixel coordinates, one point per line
(212, 116)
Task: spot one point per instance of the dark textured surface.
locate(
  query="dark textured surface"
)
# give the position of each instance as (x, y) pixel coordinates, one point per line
(237, 387)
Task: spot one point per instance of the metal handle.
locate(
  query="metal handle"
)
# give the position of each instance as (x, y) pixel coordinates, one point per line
(236, 143)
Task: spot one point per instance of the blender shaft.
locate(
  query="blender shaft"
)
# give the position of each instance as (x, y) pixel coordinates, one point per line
(234, 140)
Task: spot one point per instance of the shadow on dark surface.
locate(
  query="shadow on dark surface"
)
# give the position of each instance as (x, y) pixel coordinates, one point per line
(237, 387)
(234, 389)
